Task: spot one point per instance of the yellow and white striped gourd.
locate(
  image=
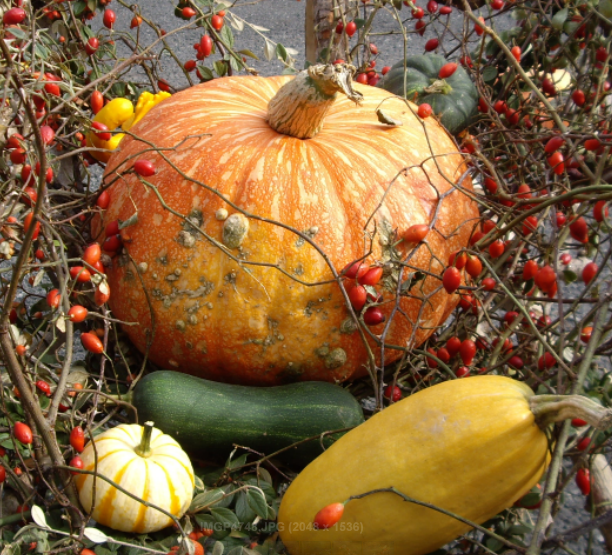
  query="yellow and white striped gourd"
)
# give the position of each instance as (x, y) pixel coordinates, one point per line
(143, 461)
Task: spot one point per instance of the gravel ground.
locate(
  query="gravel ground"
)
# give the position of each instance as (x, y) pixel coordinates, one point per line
(284, 21)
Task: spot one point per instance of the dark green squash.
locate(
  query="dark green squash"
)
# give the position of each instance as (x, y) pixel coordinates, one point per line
(454, 100)
(207, 418)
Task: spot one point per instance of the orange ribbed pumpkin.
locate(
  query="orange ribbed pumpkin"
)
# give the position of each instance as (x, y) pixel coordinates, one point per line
(213, 271)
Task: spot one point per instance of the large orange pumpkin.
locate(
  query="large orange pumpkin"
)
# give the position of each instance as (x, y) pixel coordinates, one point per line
(217, 268)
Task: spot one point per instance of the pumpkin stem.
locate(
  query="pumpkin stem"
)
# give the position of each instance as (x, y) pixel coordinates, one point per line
(144, 449)
(299, 107)
(554, 408)
(439, 86)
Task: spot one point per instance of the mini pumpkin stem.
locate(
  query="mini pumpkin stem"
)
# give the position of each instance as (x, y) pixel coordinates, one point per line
(555, 408)
(299, 107)
(439, 86)
(144, 449)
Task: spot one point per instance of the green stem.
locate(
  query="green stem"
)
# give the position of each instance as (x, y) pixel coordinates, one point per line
(439, 86)
(144, 449)
(556, 408)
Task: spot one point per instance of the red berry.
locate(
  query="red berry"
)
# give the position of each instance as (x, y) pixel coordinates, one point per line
(76, 462)
(358, 297)
(77, 313)
(144, 168)
(135, 22)
(497, 4)
(453, 345)
(447, 70)
(497, 248)
(516, 362)
(546, 278)
(583, 480)
(446, 10)
(473, 266)
(462, 372)
(109, 19)
(373, 316)
(489, 284)
(560, 218)
(385, 70)
(443, 355)
(556, 162)
(23, 433)
(188, 12)
(432, 6)
(554, 144)
(371, 277)
(80, 273)
(77, 439)
(393, 393)
(467, 351)
(451, 280)
(546, 361)
(583, 444)
(578, 422)
(479, 27)
(14, 16)
(425, 110)
(589, 272)
(206, 45)
(92, 45)
(328, 516)
(351, 28)
(216, 22)
(2, 474)
(418, 13)
(579, 230)
(592, 144)
(91, 342)
(579, 97)
(416, 233)
(431, 45)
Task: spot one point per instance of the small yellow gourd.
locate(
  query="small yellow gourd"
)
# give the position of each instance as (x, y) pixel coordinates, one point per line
(143, 461)
(470, 446)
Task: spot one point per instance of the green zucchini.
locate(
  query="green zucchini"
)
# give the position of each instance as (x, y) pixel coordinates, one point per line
(208, 418)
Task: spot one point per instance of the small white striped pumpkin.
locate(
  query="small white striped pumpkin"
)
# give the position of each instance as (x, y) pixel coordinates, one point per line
(157, 471)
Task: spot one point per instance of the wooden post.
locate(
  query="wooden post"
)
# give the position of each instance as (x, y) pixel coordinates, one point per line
(320, 25)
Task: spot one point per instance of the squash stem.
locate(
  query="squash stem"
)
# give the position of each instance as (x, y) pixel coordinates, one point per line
(300, 106)
(555, 408)
(439, 86)
(144, 449)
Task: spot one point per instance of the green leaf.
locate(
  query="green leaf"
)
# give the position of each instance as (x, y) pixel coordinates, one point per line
(489, 74)
(569, 276)
(225, 517)
(243, 510)
(206, 73)
(218, 549)
(257, 502)
(282, 53)
(235, 463)
(269, 50)
(359, 22)
(220, 68)
(79, 7)
(248, 53)
(559, 19)
(206, 499)
(227, 35)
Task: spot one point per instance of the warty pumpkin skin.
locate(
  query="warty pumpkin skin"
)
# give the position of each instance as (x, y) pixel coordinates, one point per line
(470, 446)
(162, 475)
(250, 314)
